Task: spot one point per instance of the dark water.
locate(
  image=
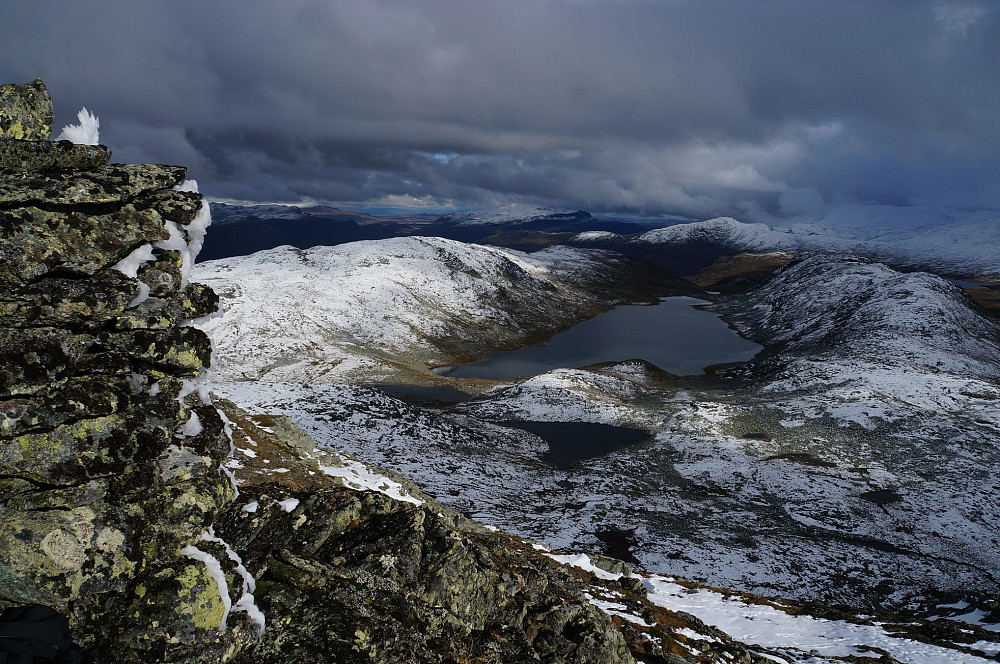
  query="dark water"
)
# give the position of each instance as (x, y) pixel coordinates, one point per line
(961, 283)
(673, 335)
(572, 441)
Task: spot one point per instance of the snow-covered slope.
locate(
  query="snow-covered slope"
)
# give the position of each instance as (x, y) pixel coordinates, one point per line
(940, 239)
(722, 231)
(358, 309)
(852, 464)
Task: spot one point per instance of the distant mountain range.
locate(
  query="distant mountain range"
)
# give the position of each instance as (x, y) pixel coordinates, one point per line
(944, 240)
(939, 239)
(240, 230)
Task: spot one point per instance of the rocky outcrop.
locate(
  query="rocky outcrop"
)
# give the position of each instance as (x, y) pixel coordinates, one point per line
(109, 458)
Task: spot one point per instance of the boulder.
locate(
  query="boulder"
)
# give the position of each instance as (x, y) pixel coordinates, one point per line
(26, 111)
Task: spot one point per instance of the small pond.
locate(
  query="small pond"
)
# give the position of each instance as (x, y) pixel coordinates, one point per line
(572, 441)
(672, 334)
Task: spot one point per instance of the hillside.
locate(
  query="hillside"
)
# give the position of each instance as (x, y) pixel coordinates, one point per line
(942, 240)
(367, 309)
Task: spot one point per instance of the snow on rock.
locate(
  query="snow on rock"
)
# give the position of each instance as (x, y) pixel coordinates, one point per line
(246, 602)
(576, 395)
(214, 568)
(722, 230)
(862, 447)
(582, 560)
(857, 310)
(130, 265)
(795, 635)
(358, 476)
(187, 240)
(85, 133)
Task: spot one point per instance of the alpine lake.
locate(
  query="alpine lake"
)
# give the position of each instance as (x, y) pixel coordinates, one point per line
(675, 335)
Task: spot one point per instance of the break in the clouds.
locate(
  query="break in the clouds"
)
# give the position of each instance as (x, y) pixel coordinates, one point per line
(745, 107)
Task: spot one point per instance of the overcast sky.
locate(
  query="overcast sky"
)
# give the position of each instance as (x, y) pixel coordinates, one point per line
(689, 107)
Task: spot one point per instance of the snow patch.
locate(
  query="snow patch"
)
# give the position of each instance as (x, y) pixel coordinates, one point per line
(768, 627)
(358, 476)
(246, 601)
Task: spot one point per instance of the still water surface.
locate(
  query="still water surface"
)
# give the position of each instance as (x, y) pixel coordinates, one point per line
(572, 441)
(672, 334)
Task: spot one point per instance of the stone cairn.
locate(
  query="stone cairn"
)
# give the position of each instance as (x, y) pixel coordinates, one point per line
(110, 450)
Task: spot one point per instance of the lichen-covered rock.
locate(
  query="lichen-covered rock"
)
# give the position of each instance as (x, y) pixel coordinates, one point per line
(35, 241)
(113, 184)
(27, 156)
(110, 455)
(26, 111)
(358, 576)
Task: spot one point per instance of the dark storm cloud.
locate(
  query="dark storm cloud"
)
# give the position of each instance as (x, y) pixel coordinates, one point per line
(681, 106)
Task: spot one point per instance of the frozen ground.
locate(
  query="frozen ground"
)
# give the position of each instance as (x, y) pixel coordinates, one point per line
(854, 466)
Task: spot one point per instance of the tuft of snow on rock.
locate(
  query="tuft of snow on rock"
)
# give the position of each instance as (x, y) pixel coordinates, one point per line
(289, 504)
(250, 507)
(85, 133)
(130, 265)
(246, 601)
(191, 428)
(215, 571)
(202, 385)
(189, 239)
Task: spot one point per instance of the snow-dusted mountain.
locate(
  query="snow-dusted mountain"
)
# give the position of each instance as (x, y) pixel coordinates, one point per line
(944, 240)
(849, 465)
(367, 309)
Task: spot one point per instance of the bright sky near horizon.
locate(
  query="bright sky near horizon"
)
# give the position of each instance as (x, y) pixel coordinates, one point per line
(743, 107)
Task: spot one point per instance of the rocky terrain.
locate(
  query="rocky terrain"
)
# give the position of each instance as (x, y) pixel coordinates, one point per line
(846, 468)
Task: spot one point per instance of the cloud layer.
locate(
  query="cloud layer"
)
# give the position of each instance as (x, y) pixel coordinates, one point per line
(652, 106)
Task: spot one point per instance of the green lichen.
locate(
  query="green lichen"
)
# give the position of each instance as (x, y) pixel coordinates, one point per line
(26, 111)
(198, 598)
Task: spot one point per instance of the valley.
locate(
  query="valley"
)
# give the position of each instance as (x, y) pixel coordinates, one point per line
(846, 468)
